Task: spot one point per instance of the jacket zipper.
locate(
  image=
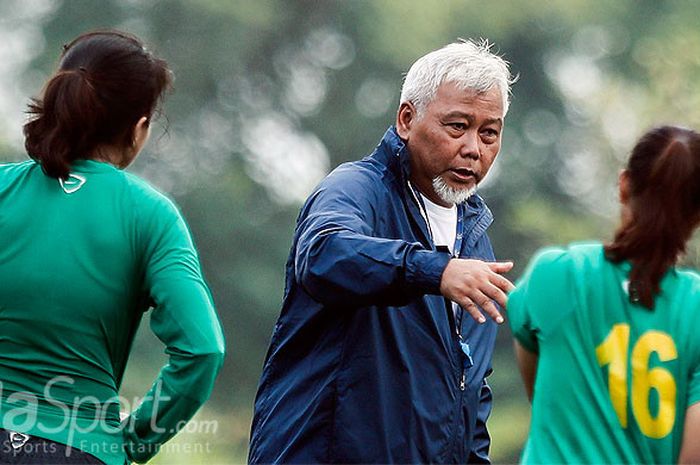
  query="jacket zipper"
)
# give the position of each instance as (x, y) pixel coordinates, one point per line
(462, 381)
(464, 347)
(453, 449)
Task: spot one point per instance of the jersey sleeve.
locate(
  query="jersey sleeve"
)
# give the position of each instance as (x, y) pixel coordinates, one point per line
(184, 319)
(538, 297)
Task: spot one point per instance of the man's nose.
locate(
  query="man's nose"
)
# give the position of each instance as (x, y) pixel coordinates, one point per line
(470, 145)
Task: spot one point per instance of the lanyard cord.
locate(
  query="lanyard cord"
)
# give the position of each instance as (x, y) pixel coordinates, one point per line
(459, 236)
(422, 209)
(456, 247)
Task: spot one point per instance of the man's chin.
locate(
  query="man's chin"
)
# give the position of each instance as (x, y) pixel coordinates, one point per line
(452, 194)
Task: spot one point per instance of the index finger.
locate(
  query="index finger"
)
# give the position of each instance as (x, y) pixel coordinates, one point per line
(500, 267)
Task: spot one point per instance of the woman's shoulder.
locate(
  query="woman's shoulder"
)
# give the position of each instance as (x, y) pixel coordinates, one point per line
(689, 276)
(13, 174)
(574, 252)
(147, 198)
(10, 168)
(557, 262)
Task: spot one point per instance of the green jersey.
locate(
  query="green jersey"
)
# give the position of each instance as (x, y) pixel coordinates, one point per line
(80, 261)
(614, 379)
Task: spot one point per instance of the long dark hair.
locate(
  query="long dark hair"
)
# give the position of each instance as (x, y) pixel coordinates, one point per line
(106, 81)
(664, 174)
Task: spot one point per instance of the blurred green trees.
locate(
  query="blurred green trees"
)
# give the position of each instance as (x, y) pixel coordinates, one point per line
(271, 94)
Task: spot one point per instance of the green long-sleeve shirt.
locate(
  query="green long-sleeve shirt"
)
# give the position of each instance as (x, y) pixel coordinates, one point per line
(80, 262)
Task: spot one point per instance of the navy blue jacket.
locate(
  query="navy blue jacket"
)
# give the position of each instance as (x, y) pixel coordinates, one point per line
(365, 363)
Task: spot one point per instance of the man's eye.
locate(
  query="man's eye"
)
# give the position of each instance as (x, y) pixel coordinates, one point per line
(491, 133)
(458, 126)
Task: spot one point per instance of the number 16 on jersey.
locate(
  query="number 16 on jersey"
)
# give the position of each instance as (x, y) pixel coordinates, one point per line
(613, 352)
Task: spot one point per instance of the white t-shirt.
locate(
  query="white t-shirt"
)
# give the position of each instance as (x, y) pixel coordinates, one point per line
(442, 222)
(443, 226)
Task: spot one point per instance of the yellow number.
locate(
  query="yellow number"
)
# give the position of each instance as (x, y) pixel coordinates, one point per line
(613, 352)
(660, 379)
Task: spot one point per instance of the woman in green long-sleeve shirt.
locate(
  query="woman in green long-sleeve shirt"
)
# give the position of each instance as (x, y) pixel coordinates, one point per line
(86, 249)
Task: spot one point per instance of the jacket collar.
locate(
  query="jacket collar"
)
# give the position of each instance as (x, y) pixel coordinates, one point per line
(393, 153)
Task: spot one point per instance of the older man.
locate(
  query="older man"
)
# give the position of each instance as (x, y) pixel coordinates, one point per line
(371, 360)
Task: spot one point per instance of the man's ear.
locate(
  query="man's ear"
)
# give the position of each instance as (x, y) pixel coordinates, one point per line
(404, 119)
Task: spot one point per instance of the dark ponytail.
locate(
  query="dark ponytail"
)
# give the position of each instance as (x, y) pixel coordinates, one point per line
(64, 121)
(105, 83)
(663, 172)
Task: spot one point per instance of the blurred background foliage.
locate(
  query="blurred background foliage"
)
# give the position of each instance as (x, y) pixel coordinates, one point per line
(272, 94)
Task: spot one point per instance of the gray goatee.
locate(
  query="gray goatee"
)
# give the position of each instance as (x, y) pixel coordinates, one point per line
(449, 194)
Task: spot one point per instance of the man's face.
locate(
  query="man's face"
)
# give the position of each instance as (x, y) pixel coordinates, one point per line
(453, 143)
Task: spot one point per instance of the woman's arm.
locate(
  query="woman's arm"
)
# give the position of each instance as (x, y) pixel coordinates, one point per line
(527, 362)
(690, 447)
(185, 320)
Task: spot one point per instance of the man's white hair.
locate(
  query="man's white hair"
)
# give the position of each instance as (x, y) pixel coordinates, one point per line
(468, 64)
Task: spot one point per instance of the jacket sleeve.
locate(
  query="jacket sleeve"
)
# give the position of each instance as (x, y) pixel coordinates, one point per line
(185, 320)
(341, 258)
(482, 441)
